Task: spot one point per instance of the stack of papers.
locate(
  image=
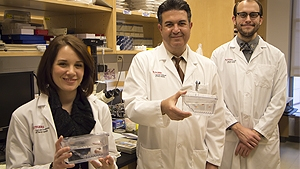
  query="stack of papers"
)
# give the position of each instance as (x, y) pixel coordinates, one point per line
(126, 142)
(122, 4)
(126, 145)
(146, 5)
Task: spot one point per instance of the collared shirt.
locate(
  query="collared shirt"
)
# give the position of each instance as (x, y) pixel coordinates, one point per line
(181, 64)
(250, 48)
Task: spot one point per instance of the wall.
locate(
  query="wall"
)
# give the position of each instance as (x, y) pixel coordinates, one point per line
(212, 24)
(262, 29)
(278, 27)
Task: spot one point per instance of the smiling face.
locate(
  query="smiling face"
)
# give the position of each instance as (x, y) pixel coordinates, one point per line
(67, 70)
(247, 27)
(175, 30)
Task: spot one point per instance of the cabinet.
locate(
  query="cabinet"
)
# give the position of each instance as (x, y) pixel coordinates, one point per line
(147, 20)
(80, 18)
(207, 17)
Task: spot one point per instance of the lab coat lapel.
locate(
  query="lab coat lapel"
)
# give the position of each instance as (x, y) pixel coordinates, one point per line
(170, 66)
(45, 109)
(234, 46)
(163, 56)
(190, 65)
(259, 48)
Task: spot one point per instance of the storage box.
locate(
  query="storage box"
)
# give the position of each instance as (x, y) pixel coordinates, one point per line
(57, 31)
(125, 42)
(294, 125)
(118, 123)
(15, 15)
(199, 103)
(86, 147)
(17, 32)
(126, 145)
(284, 126)
(43, 32)
(26, 37)
(86, 36)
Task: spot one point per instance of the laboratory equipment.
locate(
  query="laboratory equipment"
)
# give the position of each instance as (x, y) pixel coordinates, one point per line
(201, 104)
(86, 147)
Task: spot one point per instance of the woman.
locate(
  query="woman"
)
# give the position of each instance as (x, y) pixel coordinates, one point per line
(64, 108)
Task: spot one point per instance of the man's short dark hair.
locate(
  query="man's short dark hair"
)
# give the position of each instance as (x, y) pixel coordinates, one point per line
(173, 5)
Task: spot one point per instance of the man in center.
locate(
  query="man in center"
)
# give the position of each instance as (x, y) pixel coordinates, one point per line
(170, 136)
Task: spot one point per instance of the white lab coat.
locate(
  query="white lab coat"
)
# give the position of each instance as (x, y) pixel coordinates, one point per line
(255, 95)
(32, 134)
(165, 143)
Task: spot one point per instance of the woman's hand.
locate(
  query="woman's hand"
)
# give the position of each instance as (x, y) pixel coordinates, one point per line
(60, 155)
(104, 163)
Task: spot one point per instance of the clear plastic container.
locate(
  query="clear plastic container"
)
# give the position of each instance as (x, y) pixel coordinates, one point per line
(86, 147)
(202, 104)
(19, 16)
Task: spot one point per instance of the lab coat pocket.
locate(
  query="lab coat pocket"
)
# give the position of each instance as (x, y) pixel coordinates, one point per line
(149, 158)
(264, 75)
(199, 157)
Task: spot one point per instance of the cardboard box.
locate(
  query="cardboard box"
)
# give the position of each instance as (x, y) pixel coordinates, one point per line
(284, 126)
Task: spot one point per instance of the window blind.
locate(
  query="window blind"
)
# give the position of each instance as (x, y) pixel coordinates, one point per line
(295, 50)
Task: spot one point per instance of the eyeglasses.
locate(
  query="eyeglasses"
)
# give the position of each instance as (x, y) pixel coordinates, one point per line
(252, 15)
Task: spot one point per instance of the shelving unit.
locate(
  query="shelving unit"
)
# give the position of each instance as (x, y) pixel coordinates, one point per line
(20, 53)
(136, 16)
(147, 20)
(80, 18)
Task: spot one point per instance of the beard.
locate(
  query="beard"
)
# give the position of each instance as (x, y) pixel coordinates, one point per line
(247, 33)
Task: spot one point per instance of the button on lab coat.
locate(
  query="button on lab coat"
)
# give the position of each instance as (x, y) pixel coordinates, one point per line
(165, 143)
(255, 95)
(32, 134)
